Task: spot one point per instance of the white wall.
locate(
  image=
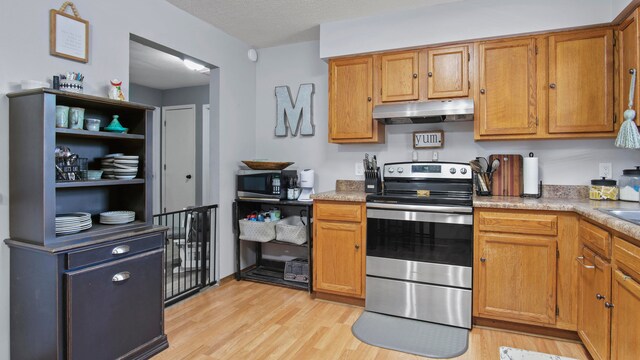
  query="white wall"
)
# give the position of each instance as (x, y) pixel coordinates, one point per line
(461, 20)
(568, 162)
(24, 45)
(617, 6)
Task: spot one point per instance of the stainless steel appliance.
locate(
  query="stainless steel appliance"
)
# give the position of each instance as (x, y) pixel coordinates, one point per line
(424, 112)
(263, 184)
(420, 243)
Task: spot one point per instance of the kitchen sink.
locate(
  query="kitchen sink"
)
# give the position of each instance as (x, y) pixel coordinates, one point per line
(632, 216)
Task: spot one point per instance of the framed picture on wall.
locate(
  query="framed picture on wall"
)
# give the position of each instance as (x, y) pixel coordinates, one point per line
(68, 34)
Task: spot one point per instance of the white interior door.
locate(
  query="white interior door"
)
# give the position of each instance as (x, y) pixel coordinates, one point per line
(179, 157)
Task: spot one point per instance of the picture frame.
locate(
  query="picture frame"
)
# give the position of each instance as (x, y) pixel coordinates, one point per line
(430, 139)
(68, 34)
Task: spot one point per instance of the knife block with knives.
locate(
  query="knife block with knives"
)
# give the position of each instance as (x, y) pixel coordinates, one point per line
(507, 179)
(372, 178)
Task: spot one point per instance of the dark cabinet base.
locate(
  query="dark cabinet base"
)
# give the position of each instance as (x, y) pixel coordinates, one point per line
(111, 308)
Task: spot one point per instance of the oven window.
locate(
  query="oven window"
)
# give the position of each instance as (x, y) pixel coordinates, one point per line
(254, 184)
(440, 243)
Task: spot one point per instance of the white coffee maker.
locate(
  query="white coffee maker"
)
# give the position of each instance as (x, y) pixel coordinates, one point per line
(306, 185)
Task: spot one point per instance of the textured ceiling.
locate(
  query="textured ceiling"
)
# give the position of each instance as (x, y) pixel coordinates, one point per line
(159, 70)
(266, 23)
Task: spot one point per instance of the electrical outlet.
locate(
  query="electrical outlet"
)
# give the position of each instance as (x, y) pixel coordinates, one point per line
(359, 168)
(604, 170)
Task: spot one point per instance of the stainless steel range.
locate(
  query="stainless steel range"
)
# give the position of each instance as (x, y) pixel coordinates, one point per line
(420, 243)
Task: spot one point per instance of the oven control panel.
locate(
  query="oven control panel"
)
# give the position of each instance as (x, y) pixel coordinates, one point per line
(428, 170)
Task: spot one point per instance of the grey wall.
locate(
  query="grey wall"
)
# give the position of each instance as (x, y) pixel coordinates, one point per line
(145, 95)
(26, 56)
(197, 95)
(562, 162)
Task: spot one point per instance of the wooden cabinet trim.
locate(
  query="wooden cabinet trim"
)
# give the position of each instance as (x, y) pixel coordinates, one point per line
(627, 256)
(518, 223)
(597, 238)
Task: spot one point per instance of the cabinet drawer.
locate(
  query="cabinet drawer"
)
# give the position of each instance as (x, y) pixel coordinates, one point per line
(597, 238)
(627, 255)
(114, 308)
(518, 223)
(339, 212)
(114, 250)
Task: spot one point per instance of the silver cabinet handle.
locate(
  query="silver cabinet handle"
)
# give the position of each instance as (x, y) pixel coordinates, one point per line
(580, 259)
(599, 297)
(119, 250)
(608, 305)
(121, 276)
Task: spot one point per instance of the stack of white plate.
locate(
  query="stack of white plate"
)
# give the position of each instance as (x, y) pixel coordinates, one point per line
(125, 167)
(108, 165)
(117, 217)
(72, 223)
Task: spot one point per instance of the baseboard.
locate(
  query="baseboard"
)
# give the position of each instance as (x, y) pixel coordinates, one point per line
(526, 329)
(338, 298)
(147, 351)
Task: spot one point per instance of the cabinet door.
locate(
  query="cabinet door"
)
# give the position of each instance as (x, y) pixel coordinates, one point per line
(593, 317)
(517, 278)
(581, 82)
(338, 258)
(350, 100)
(399, 77)
(115, 307)
(629, 59)
(625, 322)
(507, 96)
(448, 72)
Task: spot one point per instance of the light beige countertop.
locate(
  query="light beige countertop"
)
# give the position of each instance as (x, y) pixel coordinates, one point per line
(584, 207)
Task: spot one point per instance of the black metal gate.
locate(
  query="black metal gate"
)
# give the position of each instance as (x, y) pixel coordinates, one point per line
(189, 250)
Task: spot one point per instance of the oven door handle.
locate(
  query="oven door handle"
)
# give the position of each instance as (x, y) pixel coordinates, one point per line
(420, 216)
(430, 208)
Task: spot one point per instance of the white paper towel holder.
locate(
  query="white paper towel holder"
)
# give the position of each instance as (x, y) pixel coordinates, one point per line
(534, 196)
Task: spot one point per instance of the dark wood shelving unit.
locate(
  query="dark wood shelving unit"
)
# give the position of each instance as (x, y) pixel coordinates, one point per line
(270, 271)
(53, 277)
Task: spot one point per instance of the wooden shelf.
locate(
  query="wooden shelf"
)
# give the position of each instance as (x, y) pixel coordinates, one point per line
(92, 183)
(98, 134)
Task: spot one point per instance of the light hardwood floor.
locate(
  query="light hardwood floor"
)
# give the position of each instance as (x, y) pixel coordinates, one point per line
(246, 320)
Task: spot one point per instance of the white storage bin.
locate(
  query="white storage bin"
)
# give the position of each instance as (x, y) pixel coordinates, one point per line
(292, 229)
(257, 230)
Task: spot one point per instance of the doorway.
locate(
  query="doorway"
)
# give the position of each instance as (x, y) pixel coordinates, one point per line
(178, 157)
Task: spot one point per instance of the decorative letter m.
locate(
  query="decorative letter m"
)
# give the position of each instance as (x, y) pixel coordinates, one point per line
(288, 116)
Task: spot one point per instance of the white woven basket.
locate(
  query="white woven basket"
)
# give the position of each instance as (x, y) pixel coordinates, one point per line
(257, 230)
(291, 229)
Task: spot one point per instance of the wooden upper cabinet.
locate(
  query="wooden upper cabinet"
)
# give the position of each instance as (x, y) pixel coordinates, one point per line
(448, 72)
(625, 322)
(581, 82)
(506, 98)
(399, 76)
(350, 101)
(516, 278)
(629, 55)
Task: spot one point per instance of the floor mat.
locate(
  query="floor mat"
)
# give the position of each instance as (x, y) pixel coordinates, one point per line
(507, 353)
(411, 336)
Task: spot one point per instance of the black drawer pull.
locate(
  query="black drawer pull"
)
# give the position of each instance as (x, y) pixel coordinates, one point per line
(121, 276)
(119, 250)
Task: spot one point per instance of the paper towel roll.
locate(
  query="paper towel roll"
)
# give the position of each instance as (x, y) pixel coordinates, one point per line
(530, 173)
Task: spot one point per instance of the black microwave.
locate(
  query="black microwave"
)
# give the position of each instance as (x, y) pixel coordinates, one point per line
(264, 184)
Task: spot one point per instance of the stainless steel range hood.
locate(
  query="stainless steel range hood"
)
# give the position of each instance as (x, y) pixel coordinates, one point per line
(424, 112)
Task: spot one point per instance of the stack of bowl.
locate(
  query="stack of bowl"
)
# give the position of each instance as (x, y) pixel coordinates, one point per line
(125, 167)
(108, 165)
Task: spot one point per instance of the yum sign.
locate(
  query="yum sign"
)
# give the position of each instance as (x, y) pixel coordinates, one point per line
(428, 139)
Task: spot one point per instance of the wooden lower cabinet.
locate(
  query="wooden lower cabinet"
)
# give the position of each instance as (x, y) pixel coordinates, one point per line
(339, 249)
(625, 321)
(517, 278)
(593, 315)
